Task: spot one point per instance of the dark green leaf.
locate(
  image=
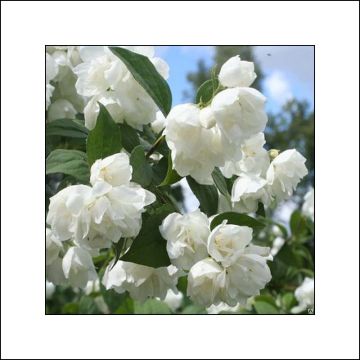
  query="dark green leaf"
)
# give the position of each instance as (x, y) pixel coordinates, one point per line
(206, 194)
(126, 307)
(261, 210)
(105, 139)
(206, 91)
(69, 162)
(171, 175)
(147, 76)
(142, 171)
(220, 181)
(149, 248)
(288, 256)
(159, 171)
(237, 219)
(129, 136)
(66, 127)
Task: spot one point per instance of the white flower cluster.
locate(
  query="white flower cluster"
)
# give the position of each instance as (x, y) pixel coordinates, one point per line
(62, 99)
(79, 77)
(228, 134)
(223, 265)
(103, 77)
(92, 218)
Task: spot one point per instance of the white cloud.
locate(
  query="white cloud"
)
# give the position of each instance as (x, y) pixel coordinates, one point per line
(277, 87)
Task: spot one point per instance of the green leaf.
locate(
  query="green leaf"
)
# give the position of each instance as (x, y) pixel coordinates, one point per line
(288, 256)
(105, 139)
(206, 91)
(220, 181)
(171, 175)
(263, 307)
(129, 137)
(147, 76)
(206, 194)
(237, 219)
(151, 306)
(67, 128)
(142, 171)
(126, 308)
(149, 248)
(159, 171)
(261, 210)
(69, 162)
(298, 224)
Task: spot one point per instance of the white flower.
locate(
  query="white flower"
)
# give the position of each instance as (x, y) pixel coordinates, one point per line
(139, 280)
(227, 242)
(78, 267)
(173, 300)
(61, 109)
(254, 159)
(277, 245)
(99, 71)
(211, 283)
(64, 209)
(112, 104)
(186, 237)
(305, 296)
(236, 72)
(207, 283)
(111, 213)
(55, 273)
(115, 170)
(195, 150)
(49, 290)
(53, 247)
(239, 113)
(308, 205)
(247, 191)
(51, 72)
(285, 172)
(159, 123)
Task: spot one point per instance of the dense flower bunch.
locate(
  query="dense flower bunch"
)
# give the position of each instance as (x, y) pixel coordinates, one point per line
(223, 266)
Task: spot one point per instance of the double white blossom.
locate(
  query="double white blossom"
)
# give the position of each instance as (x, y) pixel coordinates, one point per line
(247, 191)
(236, 72)
(78, 267)
(285, 172)
(195, 149)
(186, 237)
(240, 113)
(94, 217)
(140, 281)
(305, 296)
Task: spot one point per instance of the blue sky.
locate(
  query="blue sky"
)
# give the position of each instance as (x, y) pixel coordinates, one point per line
(288, 70)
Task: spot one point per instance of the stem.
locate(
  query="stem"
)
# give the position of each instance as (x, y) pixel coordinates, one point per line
(156, 144)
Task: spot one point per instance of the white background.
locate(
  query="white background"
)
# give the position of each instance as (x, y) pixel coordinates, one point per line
(332, 27)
